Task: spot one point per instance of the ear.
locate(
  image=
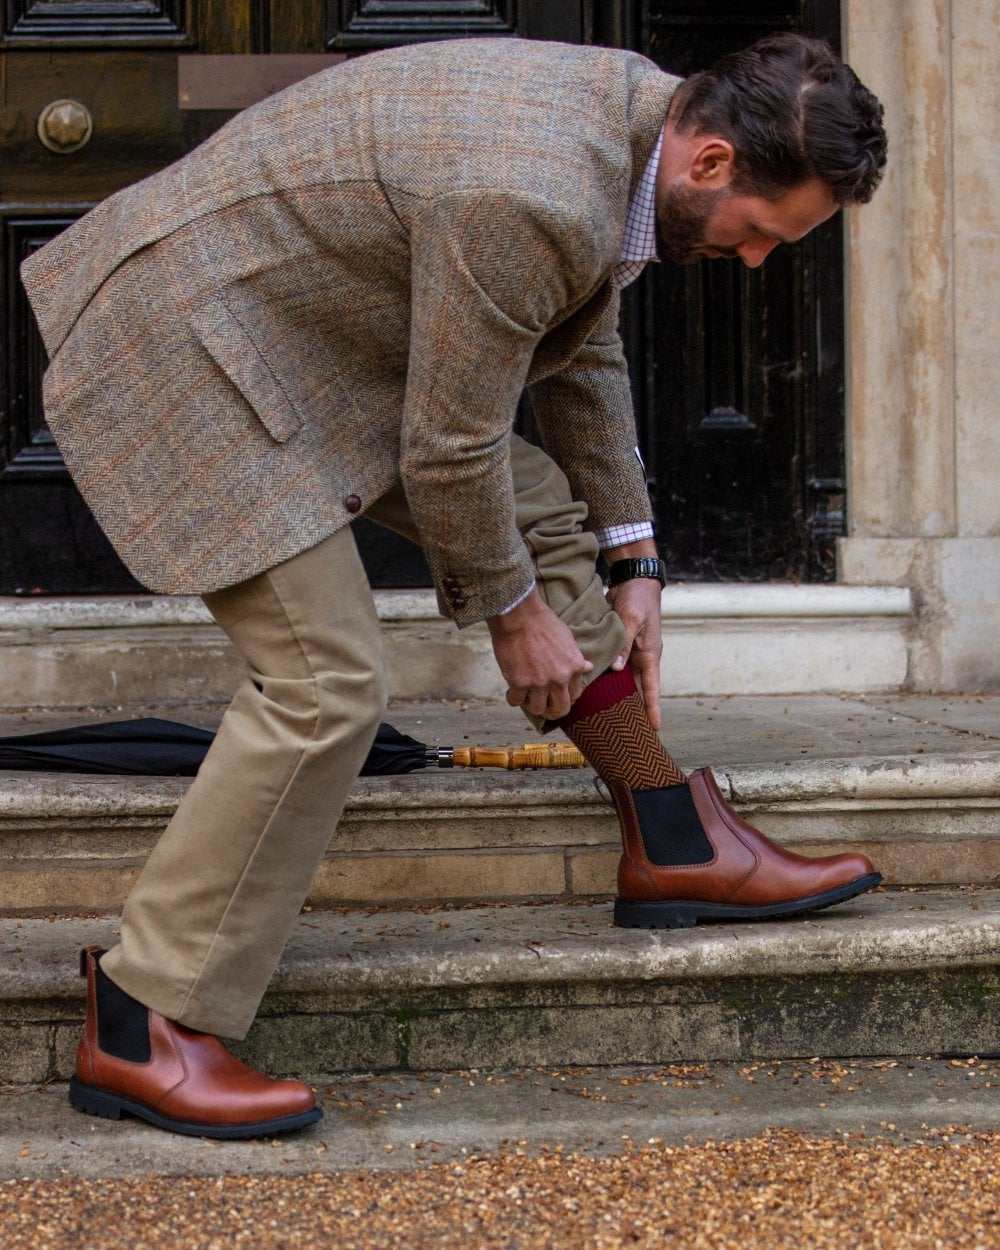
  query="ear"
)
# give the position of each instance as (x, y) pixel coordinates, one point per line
(712, 163)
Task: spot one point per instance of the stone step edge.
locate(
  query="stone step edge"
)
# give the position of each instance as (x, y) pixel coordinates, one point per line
(889, 931)
(680, 601)
(936, 780)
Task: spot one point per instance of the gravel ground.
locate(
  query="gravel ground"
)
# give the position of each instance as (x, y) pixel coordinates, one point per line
(775, 1191)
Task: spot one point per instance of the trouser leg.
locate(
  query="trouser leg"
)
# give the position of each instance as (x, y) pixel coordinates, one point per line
(205, 924)
(565, 555)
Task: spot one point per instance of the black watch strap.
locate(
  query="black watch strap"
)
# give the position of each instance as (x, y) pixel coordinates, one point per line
(642, 566)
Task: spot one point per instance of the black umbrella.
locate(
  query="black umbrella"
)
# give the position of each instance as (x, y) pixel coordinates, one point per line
(150, 747)
(154, 747)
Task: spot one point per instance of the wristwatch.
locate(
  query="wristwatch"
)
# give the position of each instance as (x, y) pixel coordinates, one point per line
(643, 566)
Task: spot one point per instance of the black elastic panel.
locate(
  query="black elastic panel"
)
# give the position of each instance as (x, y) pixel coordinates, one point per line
(671, 830)
(122, 1022)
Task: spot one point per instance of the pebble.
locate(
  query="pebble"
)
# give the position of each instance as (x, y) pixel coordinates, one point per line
(782, 1190)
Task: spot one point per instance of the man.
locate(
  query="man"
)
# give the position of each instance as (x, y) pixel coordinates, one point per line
(331, 308)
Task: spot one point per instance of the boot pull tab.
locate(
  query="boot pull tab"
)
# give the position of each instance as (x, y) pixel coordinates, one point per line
(94, 950)
(602, 792)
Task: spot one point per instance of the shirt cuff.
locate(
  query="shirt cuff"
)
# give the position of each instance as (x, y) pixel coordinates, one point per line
(520, 599)
(626, 272)
(619, 535)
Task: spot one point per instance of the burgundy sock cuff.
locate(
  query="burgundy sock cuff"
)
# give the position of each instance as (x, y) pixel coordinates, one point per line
(603, 692)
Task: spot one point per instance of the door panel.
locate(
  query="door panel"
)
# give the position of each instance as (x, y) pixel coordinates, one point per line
(48, 536)
(113, 66)
(385, 23)
(739, 374)
(131, 97)
(53, 22)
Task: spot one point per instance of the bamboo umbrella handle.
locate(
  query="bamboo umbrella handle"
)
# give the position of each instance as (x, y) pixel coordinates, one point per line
(530, 755)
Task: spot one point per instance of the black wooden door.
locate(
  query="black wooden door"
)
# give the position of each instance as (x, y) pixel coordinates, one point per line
(739, 374)
(91, 103)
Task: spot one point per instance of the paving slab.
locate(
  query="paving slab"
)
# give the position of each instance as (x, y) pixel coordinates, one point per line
(725, 731)
(397, 1122)
(976, 715)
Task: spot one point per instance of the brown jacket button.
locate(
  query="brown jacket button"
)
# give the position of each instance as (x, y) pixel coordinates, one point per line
(352, 503)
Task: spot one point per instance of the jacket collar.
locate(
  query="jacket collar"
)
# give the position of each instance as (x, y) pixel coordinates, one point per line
(648, 106)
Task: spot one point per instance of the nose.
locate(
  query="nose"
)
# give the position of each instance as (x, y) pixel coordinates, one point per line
(753, 255)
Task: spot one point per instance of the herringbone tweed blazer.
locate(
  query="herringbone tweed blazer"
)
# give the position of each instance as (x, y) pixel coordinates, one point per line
(348, 285)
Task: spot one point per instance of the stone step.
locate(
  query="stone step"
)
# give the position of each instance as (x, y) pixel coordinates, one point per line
(719, 639)
(913, 781)
(891, 973)
(76, 843)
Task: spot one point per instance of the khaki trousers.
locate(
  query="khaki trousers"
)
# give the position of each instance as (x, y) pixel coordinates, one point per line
(204, 926)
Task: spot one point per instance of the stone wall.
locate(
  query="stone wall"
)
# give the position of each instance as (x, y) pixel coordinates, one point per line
(924, 366)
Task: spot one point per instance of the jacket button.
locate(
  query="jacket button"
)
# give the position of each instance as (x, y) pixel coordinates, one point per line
(352, 503)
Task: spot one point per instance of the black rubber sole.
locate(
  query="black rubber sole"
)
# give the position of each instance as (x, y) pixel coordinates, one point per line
(93, 1101)
(684, 914)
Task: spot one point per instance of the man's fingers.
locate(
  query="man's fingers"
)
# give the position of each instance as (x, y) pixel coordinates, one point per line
(649, 681)
(533, 699)
(630, 634)
(552, 702)
(558, 704)
(537, 702)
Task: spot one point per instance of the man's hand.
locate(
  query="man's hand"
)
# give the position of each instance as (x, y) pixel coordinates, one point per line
(637, 602)
(539, 658)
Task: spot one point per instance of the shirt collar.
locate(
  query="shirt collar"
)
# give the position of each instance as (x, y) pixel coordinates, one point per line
(639, 243)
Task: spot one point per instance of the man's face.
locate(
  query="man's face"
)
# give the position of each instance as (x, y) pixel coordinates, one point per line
(695, 220)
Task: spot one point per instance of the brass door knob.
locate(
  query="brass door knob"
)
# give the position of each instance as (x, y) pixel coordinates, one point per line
(65, 126)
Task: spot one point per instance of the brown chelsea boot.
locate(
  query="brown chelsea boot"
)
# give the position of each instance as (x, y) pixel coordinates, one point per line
(133, 1060)
(689, 857)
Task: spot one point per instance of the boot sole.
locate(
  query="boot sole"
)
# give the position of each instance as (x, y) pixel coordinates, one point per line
(684, 914)
(93, 1101)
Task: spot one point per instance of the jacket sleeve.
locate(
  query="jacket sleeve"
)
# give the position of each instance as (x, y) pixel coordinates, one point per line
(487, 278)
(586, 422)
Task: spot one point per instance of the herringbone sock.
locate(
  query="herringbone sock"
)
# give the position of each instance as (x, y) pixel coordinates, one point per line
(610, 726)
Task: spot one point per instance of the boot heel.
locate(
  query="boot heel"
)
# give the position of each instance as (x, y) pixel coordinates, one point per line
(630, 915)
(93, 1101)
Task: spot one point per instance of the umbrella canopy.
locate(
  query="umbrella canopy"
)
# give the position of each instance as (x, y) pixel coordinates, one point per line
(165, 748)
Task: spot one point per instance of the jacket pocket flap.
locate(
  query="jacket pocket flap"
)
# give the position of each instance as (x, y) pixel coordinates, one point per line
(231, 347)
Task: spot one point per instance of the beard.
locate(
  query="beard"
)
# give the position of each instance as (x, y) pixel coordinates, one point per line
(681, 221)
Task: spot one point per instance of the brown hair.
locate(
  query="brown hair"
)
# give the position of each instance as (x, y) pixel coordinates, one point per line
(792, 111)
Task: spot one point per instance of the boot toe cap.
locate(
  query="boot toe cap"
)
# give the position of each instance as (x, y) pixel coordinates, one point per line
(275, 1101)
(293, 1097)
(843, 869)
(259, 1101)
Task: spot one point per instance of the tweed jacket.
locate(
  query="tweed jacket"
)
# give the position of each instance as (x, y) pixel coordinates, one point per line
(348, 285)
